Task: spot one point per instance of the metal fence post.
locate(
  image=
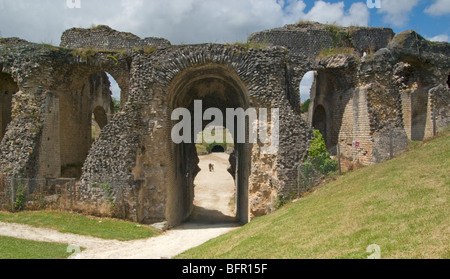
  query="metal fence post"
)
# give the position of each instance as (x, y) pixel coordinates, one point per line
(434, 123)
(391, 145)
(339, 157)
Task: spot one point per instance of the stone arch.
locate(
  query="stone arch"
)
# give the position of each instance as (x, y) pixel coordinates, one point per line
(416, 113)
(100, 116)
(217, 86)
(332, 110)
(307, 86)
(8, 87)
(89, 99)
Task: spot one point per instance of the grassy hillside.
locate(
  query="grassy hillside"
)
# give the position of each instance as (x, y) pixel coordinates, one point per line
(401, 205)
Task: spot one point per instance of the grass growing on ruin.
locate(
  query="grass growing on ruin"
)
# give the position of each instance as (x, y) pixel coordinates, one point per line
(81, 225)
(327, 52)
(18, 249)
(401, 205)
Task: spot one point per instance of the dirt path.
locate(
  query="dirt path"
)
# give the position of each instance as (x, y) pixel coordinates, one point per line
(212, 217)
(214, 191)
(167, 245)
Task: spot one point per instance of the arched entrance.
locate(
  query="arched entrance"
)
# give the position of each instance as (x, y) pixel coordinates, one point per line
(7, 89)
(84, 112)
(215, 187)
(212, 86)
(218, 149)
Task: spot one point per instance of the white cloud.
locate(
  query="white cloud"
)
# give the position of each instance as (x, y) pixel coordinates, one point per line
(397, 12)
(440, 7)
(440, 38)
(325, 12)
(188, 21)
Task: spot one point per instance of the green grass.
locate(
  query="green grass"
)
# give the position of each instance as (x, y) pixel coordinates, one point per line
(401, 205)
(81, 225)
(327, 52)
(16, 249)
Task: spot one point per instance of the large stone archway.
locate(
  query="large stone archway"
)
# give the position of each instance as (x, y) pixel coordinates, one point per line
(216, 86)
(150, 177)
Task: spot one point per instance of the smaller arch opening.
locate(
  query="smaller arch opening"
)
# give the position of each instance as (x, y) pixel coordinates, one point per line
(100, 116)
(99, 121)
(306, 88)
(116, 93)
(218, 149)
(84, 112)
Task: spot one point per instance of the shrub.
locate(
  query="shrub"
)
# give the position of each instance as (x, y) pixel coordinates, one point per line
(319, 156)
(19, 203)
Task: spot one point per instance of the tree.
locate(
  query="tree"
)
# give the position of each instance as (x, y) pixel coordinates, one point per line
(305, 106)
(319, 156)
(116, 105)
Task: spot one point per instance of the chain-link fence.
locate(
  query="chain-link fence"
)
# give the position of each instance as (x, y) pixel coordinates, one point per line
(307, 178)
(33, 194)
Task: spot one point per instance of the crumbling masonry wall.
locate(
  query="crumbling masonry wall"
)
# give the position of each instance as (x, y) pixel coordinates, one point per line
(134, 171)
(372, 104)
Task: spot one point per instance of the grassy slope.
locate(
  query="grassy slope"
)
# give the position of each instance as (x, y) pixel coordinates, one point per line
(401, 205)
(77, 224)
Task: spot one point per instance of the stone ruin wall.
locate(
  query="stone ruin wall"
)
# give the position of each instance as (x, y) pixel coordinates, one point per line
(367, 100)
(104, 38)
(158, 161)
(128, 166)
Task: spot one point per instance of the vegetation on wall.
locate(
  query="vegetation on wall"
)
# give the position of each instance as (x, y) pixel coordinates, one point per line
(319, 157)
(305, 106)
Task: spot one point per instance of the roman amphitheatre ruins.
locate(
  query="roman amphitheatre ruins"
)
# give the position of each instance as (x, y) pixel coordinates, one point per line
(375, 88)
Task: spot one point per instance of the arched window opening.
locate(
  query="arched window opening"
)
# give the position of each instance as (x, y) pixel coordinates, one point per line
(115, 92)
(84, 111)
(99, 121)
(307, 85)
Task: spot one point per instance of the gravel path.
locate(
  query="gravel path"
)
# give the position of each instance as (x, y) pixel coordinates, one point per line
(213, 195)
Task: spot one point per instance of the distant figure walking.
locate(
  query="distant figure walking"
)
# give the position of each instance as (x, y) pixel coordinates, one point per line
(211, 167)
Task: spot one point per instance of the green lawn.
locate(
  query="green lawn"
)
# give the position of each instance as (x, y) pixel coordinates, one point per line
(82, 225)
(401, 205)
(16, 249)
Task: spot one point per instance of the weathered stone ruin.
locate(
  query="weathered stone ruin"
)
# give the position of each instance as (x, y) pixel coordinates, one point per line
(374, 90)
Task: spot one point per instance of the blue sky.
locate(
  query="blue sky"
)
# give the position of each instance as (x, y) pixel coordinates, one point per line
(214, 21)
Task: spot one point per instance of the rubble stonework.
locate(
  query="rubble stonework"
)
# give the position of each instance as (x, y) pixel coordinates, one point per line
(391, 89)
(105, 38)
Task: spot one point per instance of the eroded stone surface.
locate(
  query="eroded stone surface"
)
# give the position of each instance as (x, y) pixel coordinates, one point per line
(368, 104)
